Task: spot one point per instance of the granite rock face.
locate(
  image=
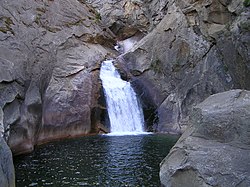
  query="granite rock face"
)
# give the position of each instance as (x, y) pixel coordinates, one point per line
(198, 49)
(50, 52)
(127, 17)
(7, 172)
(214, 150)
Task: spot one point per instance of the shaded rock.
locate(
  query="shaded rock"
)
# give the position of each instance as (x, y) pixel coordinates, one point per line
(11, 115)
(1, 123)
(214, 150)
(24, 120)
(9, 92)
(7, 173)
(127, 17)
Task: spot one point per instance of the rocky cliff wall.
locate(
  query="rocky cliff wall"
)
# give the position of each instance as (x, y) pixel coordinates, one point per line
(199, 48)
(50, 52)
(127, 17)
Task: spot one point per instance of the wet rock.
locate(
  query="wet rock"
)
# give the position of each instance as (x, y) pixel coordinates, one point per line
(214, 150)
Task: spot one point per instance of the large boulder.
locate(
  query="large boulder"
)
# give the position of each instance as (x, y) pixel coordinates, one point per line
(198, 49)
(72, 93)
(215, 149)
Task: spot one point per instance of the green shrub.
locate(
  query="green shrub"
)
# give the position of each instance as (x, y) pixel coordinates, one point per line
(98, 16)
(7, 24)
(157, 66)
(246, 3)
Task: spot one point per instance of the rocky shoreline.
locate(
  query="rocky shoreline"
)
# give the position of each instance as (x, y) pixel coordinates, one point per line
(214, 150)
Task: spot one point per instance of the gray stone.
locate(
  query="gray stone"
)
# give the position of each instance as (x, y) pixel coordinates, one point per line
(9, 92)
(7, 172)
(126, 17)
(1, 123)
(214, 150)
(50, 53)
(11, 115)
(197, 49)
(6, 72)
(69, 97)
(24, 121)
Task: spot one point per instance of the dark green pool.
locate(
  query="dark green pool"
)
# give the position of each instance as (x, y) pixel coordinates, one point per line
(95, 161)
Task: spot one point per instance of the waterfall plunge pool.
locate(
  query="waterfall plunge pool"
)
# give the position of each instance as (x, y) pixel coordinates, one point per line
(101, 160)
(95, 161)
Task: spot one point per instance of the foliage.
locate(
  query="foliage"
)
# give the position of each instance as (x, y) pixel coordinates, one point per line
(43, 10)
(246, 3)
(98, 16)
(176, 66)
(157, 66)
(225, 67)
(7, 23)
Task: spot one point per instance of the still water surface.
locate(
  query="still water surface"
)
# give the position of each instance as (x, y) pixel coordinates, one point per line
(95, 161)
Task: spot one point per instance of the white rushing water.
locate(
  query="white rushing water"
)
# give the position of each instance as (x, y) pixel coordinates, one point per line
(125, 113)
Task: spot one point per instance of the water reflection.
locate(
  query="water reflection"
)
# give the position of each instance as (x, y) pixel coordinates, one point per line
(125, 157)
(95, 161)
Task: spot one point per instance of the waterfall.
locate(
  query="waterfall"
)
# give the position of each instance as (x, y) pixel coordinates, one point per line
(125, 113)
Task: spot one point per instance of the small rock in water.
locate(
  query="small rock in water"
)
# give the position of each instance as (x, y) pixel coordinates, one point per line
(33, 184)
(82, 183)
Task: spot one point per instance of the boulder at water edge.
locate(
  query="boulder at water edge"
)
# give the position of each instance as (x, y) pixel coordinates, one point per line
(215, 149)
(7, 174)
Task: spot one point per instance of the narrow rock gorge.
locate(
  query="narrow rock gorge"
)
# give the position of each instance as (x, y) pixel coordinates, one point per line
(186, 51)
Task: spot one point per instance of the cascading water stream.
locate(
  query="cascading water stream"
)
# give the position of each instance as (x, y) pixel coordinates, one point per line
(125, 113)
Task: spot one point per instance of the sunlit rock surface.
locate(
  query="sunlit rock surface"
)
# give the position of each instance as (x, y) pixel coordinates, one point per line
(215, 149)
